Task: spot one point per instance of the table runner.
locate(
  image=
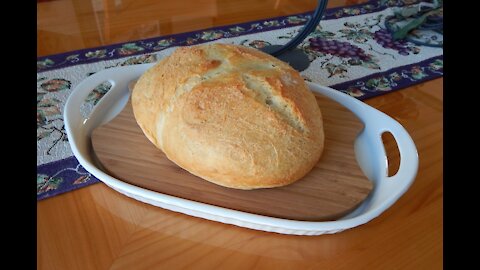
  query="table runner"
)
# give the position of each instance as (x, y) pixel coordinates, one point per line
(350, 51)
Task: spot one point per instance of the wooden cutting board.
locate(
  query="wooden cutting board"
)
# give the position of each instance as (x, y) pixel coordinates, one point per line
(333, 188)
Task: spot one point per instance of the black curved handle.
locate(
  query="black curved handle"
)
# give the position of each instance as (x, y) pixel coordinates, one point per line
(307, 29)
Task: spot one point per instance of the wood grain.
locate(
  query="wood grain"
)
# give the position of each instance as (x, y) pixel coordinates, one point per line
(97, 228)
(334, 187)
(66, 25)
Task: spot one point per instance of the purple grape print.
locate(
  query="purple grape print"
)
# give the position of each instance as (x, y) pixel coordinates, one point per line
(338, 48)
(385, 39)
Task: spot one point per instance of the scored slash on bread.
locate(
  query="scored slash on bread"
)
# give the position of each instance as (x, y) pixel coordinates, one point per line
(232, 115)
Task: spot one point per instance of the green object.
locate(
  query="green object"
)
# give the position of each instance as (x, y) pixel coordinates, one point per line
(413, 17)
(403, 31)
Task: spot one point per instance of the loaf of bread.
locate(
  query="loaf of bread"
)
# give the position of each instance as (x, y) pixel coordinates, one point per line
(232, 115)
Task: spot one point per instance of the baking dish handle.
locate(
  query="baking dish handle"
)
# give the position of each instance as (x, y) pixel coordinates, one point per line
(370, 151)
(77, 126)
(369, 143)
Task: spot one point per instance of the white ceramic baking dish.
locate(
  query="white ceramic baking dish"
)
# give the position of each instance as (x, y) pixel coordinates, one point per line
(369, 150)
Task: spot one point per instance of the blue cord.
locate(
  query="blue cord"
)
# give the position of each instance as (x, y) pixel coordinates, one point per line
(309, 27)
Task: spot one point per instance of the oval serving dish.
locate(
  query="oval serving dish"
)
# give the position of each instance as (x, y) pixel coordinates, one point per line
(369, 151)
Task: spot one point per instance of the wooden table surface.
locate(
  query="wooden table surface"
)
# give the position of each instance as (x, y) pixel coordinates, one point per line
(98, 228)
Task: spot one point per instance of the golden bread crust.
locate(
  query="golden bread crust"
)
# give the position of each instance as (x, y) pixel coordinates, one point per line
(232, 115)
